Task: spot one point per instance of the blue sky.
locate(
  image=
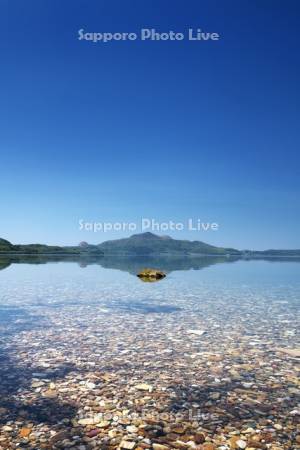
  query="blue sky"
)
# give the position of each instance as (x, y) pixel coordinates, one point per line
(167, 130)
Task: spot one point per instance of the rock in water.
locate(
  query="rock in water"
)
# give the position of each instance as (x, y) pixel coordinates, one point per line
(127, 445)
(144, 387)
(151, 274)
(196, 332)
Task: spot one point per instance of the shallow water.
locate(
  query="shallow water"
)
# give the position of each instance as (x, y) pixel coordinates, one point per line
(216, 327)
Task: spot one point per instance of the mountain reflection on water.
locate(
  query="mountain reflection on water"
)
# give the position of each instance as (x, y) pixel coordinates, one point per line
(132, 264)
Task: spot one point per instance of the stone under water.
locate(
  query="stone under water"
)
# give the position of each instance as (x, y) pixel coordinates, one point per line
(151, 274)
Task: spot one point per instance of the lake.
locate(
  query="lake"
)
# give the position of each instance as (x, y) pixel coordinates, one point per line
(93, 357)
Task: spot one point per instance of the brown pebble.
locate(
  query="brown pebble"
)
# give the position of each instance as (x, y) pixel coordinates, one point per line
(25, 432)
(199, 438)
(93, 433)
(209, 446)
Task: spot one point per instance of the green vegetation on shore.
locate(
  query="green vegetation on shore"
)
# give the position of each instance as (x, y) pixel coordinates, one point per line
(142, 245)
(40, 249)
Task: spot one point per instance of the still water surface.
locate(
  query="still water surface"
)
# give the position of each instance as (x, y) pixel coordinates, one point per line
(216, 336)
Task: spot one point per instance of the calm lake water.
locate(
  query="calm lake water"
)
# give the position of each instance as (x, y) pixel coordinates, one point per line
(80, 338)
(28, 283)
(195, 292)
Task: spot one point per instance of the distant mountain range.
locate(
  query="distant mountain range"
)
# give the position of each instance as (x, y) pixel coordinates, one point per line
(144, 244)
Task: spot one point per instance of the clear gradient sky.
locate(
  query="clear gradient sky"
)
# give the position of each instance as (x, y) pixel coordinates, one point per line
(169, 130)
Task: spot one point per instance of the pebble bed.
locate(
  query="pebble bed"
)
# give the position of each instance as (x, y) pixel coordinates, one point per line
(165, 366)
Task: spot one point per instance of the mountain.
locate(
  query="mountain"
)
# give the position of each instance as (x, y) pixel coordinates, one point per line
(41, 249)
(149, 243)
(144, 244)
(5, 245)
